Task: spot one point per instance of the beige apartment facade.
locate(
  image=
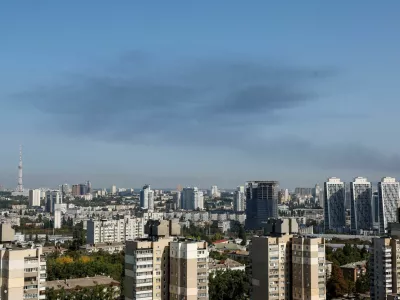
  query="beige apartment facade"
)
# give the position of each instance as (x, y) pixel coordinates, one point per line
(287, 267)
(308, 267)
(147, 269)
(23, 273)
(384, 263)
(189, 270)
(271, 267)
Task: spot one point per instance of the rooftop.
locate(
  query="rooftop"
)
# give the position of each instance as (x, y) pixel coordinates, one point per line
(356, 264)
(223, 264)
(80, 282)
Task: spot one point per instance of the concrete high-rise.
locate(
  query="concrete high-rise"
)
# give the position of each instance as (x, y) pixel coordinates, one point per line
(271, 261)
(111, 231)
(308, 267)
(162, 267)
(57, 217)
(192, 198)
(361, 204)
(384, 265)
(261, 202)
(375, 210)
(214, 192)
(113, 190)
(23, 269)
(239, 199)
(34, 198)
(334, 210)
(52, 198)
(188, 270)
(389, 202)
(147, 198)
(287, 267)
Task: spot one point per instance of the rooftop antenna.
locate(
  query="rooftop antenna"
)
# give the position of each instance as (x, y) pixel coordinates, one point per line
(20, 187)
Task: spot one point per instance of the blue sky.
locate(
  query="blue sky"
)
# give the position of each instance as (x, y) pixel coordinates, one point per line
(198, 93)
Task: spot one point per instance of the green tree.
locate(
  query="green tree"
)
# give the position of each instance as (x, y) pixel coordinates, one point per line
(228, 285)
(336, 285)
(36, 239)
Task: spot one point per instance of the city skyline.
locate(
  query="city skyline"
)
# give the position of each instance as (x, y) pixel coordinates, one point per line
(261, 91)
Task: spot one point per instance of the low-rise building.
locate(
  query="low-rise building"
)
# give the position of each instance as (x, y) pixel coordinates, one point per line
(223, 265)
(71, 285)
(353, 271)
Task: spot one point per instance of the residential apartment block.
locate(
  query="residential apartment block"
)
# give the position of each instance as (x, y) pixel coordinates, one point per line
(308, 267)
(384, 264)
(389, 202)
(165, 267)
(334, 208)
(361, 205)
(188, 270)
(23, 270)
(110, 231)
(285, 266)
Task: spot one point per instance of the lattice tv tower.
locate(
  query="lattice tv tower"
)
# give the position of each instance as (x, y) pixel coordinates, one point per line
(20, 187)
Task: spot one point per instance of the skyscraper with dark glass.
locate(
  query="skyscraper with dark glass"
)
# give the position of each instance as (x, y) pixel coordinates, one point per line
(261, 202)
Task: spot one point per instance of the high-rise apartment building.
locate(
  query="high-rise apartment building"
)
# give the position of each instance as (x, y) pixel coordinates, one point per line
(110, 231)
(113, 190)
(57, 216)
(214, 193)
(65, 190)
(302, 191)
(287, 267)
(147, 269)
(23, 269)
(52, 198)
(239, 199)
(384, 266)
(76, 190)
(271, 267)
(188, 270)
(334, 197)
(261, 202)
(361, 204)
(163, 267)
(192, 198)
(389, 202)
(308, 267)
(147, 198)
(34, 198)
(375, 210)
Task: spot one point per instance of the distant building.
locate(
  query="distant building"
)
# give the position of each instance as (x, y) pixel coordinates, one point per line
(389, 202)
(147, 198)
(261, 202)
(214, 192)
(360, 203)
(239, 199)
(110, 231)
(192, 198)
(34, 198)
(302, 191)
(113, 190)
(52, 198)
(57, 216)
(335, 218)
(375, 210)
